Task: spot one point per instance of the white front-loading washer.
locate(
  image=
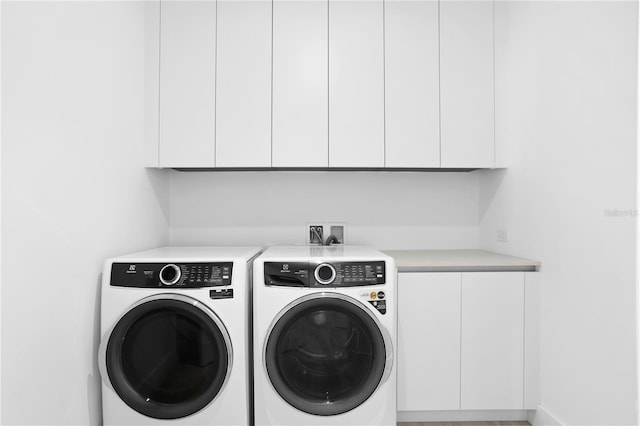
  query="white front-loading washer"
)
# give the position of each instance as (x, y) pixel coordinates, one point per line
(324, 336)
(175, 327)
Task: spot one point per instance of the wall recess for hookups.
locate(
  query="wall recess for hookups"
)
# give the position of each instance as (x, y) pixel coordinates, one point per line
(320, 233)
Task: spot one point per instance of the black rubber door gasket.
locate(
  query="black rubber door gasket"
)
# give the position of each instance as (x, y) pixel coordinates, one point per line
(167, 358)
(325, 356)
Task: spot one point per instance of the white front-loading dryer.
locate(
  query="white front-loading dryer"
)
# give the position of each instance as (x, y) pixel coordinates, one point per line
(175, 347)
(324, 336)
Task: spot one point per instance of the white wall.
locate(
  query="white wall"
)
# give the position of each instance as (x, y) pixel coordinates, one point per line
(387, 210)
(566, 105)
(74, 192)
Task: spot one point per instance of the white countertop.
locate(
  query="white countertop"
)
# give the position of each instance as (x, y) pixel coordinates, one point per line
(326, 253)
(458, 260)
(191, 254)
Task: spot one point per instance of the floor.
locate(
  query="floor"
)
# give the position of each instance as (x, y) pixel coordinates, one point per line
(523, 423)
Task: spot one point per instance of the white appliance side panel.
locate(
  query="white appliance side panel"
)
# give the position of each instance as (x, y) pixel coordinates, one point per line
(300, 84)
(187, 83)
(467, 83)
(243, 89)
(429, 341)
(412, 86)
(356, 83)
(492, 352)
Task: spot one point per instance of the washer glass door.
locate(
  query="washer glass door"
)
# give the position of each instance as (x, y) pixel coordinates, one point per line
(167, 357)
(325, 355)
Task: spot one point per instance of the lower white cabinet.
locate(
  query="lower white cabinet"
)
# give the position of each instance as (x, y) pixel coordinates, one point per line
(492, 341)
(467, 341)
(429, 341)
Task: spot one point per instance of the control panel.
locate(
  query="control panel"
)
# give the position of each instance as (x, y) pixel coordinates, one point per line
(324, 274)
(178, 275)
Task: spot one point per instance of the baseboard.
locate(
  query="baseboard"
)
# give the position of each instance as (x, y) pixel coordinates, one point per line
(542, 417)
(463, 416)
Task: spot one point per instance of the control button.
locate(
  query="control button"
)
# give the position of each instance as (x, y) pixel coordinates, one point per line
(325, 273)
(170, 274)
(373, 295)
(381, 295)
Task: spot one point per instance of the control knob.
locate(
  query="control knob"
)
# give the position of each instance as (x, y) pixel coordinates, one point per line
(325, 273)
(170, 274)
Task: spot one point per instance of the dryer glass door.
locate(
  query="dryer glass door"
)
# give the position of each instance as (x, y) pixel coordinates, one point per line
(168, 358)
(326, 355)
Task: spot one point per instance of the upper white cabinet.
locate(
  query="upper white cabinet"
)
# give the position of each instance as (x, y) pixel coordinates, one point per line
(151, 81)
(187, 84)
(300, 84)
(412, 98)
(319, 84)
(356, 83)
(243, 98)
(467, 83)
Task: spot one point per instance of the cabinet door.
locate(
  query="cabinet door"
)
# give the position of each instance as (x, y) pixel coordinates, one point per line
(356, 83)
(151, 81)
(243, 98)
(300, 84)
(187, 83)
(531, 340)
(492, 350)
(412, 93)
(467, 83)
(428, 341)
